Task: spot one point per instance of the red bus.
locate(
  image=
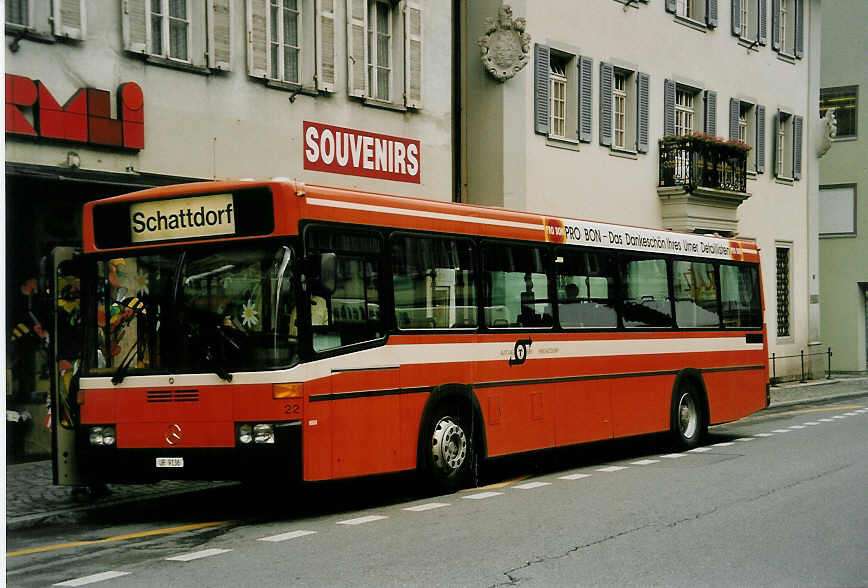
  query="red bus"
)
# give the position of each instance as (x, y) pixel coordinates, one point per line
(235, 329)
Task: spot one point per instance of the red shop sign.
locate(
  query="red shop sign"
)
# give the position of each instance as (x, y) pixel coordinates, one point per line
(353, 152)
(85, 118)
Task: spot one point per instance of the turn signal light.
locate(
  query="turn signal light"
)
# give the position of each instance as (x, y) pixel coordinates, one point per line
(287, 391)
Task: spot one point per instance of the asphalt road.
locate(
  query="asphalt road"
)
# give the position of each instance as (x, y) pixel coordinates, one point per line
(778, 499)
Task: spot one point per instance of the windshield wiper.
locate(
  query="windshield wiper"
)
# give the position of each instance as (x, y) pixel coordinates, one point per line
(121, 372)
(138, 308)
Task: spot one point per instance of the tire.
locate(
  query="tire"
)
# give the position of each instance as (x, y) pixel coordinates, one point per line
(449, 448)
(687, 421)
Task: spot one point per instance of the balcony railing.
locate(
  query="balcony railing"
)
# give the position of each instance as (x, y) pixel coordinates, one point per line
(699, 161)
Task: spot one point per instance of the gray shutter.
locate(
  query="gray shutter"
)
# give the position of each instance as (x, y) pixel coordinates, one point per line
(135, 27)
(776, 25)
(357, 48)
(325, 45)
(760, 139)
(736, 17)
(710, 112)
(671, 5)
(585, 113)
(776, 124)
(668, 107)
(257, 38)
(541, 55)
(69, 18)
(711, 13)
(798, 121)
(762, 21)
(413, 54)
(219, 34)
(643, 86)
(800, 28)
(734, 111)
(607, 75)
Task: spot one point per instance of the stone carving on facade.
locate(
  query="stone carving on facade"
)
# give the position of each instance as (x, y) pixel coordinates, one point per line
(505, 45)
(828, 130)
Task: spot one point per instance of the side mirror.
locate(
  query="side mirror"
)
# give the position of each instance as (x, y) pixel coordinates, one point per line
(327, 271)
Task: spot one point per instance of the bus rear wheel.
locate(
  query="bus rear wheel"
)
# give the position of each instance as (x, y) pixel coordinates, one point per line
(450, 454)
(687, 417)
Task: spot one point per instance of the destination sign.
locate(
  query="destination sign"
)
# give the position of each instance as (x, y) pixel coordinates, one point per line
(182, 218)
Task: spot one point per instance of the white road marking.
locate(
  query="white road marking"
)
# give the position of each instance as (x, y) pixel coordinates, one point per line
(574, 477)
(765, 435)
(699, 450)
(673, 455)
(798, 427)
(781, 431)
(645, 462)
(851, 413)
(532, 485)
(745, 439)
(286, 536)
(812, 423)
(363, 520)
(92, 578)
(428, 506)
(481, 495)
(837, 416)
(826, 421)
(725, 444)
(612, 469)
(198, 554)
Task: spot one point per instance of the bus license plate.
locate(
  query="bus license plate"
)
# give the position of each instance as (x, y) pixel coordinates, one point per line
(170, 462)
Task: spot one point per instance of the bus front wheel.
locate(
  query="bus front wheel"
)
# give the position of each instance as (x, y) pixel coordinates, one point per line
(687, 418)
(450, 456)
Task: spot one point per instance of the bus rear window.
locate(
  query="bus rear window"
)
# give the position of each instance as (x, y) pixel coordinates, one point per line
(740, 294)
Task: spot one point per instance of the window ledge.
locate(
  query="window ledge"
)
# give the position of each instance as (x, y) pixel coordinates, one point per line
(562, 143)
(750, 44)
(624, 153)
(179, 65)
(691, 24)
(787, 58)
(22, 32)
(838, 235)
(631, 3)
(287, 87)
(752, 175)
(785, 181)
(373, 102)
(845, 139)
(785, 340)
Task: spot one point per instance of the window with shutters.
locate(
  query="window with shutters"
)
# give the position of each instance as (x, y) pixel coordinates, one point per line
(788, 27)
(18, 13)
(788, 146)
(44, 20)
(384, 52)
(290, 44)
(749, 21)
(694, 13)
(185, 34)
(692, 9)
(623, 108)
(844, 102)
(744, 125)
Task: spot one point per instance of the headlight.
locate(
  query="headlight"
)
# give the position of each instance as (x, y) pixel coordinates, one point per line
(109, 436)
(245, 434)
(96, 436)
(263, 434)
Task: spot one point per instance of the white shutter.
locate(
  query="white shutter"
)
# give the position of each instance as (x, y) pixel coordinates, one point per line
(357, 48)
(220, 34)
(257, 39)
(70, 18)
(325, 45)
(413, 54)
(134, 23)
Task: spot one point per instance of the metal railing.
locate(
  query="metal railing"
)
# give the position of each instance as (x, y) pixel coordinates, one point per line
(692, 163)
(802, 355)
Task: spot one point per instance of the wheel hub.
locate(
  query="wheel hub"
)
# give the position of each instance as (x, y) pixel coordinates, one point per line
(448, 445)
(688, 419)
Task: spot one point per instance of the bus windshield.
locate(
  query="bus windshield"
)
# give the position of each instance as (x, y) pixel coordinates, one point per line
(199, 310)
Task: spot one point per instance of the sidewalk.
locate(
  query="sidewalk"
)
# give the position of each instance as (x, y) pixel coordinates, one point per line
(31, 498)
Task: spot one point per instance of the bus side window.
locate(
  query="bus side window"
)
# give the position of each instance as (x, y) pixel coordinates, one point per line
(740, 297)
(586, 289)
(434, 284)
(516, 286)
(645, 292)
(695, 290)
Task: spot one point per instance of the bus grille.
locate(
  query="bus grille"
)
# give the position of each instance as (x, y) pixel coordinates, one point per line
(173, 396)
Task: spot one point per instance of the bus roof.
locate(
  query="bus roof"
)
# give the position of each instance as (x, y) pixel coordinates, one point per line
(288, 202)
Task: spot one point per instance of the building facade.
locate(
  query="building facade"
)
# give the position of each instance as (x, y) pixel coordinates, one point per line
(106, 97)
(843, 225)
(590, 128)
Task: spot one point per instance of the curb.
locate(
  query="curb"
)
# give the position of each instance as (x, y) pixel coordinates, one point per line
(833, 397)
